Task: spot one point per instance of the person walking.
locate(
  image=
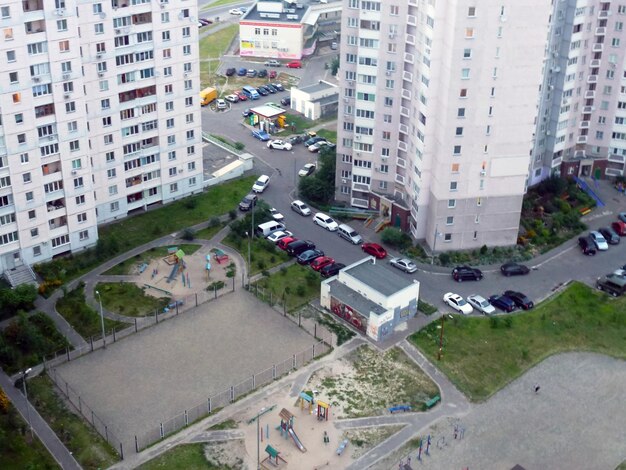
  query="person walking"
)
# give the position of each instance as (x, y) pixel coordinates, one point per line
(536, 388)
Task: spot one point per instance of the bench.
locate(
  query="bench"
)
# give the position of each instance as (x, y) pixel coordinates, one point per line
(393, 409)
(342, 446)
(220, 256)
(432, 402)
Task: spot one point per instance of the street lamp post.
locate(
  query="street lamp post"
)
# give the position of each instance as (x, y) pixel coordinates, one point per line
(248, 271)
(104, 341)
(24, 375)
(443, 319)
(258, 438)
(432, 258)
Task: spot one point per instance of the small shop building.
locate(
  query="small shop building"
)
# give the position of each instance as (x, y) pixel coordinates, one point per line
(371, 297)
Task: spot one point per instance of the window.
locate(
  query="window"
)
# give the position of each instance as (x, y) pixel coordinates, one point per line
(165, 35)
(173, 187)
(5, 12)
(30, 196)
(115, 206)
(453, 186)
(465, 73)
(469, 33)
(108, 139)
(450, 220)
(64, 46)
(460, 112)
(78, 182)
(105, 104)
(447, 237)
(451, 203)
(106, 121)
(61, 25)
(471, 12)
(83, 235)
(24, 158)
(111, 173)
(80, 200)
(467, 53)
(82, 217)
(457, 150)
(459, 131)
(11, 56)
(26, 177)
(21, 139)
(455, 167)
(32, 215)
(74, 146)
(70, 107)
(98, 28)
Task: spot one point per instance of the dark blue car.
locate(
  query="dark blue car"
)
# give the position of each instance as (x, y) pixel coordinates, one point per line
(242, 72)
(502, 302)
(306, 257)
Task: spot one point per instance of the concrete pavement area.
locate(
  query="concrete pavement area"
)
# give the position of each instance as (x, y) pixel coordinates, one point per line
(141, 381)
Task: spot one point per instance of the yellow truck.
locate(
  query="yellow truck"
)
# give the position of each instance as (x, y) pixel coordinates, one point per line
(208, 95)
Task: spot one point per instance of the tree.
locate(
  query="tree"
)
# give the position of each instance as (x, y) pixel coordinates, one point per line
(334, 66)
(320, 187)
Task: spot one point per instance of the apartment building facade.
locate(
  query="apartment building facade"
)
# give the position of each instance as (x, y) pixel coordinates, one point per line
(581, 123)
(100, 117)
(437, 111)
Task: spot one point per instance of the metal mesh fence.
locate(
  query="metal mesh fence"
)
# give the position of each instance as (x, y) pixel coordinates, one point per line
(264, 377)
(244, 387)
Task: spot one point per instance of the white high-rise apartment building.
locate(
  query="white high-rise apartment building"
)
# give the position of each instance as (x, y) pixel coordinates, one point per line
(581, 124)
(437, 114)
(99, 116)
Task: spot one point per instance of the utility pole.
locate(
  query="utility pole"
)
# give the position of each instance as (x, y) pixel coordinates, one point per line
(443, 318)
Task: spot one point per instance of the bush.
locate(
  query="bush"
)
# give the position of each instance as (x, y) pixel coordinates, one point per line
(396, 238)
(300, 291)
(191, 203)
(444, 258)
(232, 214)
(188, 234)
(216, 285)
(214, 222)
(240, 145)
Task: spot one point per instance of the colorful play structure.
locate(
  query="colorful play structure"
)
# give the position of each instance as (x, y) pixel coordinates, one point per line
(273, 457)
(323, 408)
(286, 428)
(175, 258)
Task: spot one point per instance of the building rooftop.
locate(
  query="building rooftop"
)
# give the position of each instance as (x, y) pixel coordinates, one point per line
(355, 300)
(290, 13)
(320, 86)
(379, 277)
(267, 111)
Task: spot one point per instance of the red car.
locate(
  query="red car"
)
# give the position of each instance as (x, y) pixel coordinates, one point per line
(283, 242)
(241, 96)
(319, 263)
(296, 64)
(272, 73)
(374, 249)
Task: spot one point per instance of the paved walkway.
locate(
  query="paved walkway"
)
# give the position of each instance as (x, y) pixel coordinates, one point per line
(45, 434)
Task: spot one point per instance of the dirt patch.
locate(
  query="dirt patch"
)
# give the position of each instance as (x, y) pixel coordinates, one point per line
(367, 382)
(364, 439)
(226, 454)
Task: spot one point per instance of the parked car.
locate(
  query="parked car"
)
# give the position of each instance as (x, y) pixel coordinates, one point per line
(622, 217)
(403, 264)
(300, 207)
(251, 73)
(272, 63)
(619, 227)
(316, 147)
(514, 269)
(587, 246)
(261, 135)
(242, 72)
(307, 169)
(275, 237)
(458, 303)
(308, 256)
(279, 86)
(246, 113)
(241, 95)
(262, 91)
(248, 202)
(286, 101)
(206, 21)
(599, 240)
(332, 269)
(609, 235)
(232, 98)
(262, 73)
(481, 304)
(273, 74)
(521, 300)
(231, 71)
(276, 215)
(325, 221)
(261, 184)
(283, 243)
(279, 145)
(221, 104)
(313, 140)
(295, 64)
(297, 247)
(270, 87)
(466, 273)
(236, 11)
(374, 249)
(502, 302)
(318, 263)
(612, 284)
(296, 139)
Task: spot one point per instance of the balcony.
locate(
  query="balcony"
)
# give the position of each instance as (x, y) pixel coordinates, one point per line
(57, 222)
(406, 94)
(404, 129)
(411, 20)
(51, 168)
(32, 5)
(409, 58)
(590, 94)
(557, 162)
(56, 205)
(402, 146)
(410, 39)
(592, 79)
(617, 158)
(134, 181)
(588, 109)
(600, 31)
(358, 202)
(594, 63)
(603, 14)
(407, 76)
(119, 4)
(405, 111)
(34, 27)
(582, 139)
(583, 125)
(597, 47)
(362, 187)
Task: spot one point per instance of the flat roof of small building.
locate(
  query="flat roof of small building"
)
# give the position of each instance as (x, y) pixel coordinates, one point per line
(320, 86)
(290, 14)
(379, 277)
(353, 299)
(267, 111)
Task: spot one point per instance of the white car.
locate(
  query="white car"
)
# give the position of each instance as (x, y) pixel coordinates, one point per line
(325, 221)
(599, 240)
(458, 303)
(275, 237)
(276, 215)
(301, 208)
(261, 184)
(221, 104)
(232, 98)
(481, 304)
(236, 11)
(279, 145)
(307, 169)
(403, 264)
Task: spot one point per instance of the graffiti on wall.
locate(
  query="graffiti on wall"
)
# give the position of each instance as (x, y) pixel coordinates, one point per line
(348, 314)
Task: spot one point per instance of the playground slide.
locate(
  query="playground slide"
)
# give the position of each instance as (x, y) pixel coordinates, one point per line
(295, 438)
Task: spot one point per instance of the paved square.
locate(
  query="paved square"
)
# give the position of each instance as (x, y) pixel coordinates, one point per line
(149, 377)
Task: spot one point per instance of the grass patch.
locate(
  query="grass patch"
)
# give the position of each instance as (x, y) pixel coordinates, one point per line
(263, 253)
(219, 3)
(330, 135)
(126, 298)
(209, 232)
(364, 439)
(187, 456)
(482, 355)
(136, 230)
(343, 333)
(128, 266)
(425, 307)
(27, 340)
(228, 424)
(88, 447)
(214, 45)
(17, 449)
(85, 320)
(299, 284)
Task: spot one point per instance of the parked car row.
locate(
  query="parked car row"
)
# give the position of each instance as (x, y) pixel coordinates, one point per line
(599, 240)
(613, 284)
(508, 301)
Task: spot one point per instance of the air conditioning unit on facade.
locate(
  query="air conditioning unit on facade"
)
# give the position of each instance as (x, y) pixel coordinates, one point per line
(66, 76)
(98, 56)
(36, 79)
(74, 172)
(344, 181)
(100, 74)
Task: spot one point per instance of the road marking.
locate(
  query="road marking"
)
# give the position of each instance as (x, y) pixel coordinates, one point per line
(554, 257)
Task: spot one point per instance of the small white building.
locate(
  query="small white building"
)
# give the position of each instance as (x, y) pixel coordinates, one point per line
(316, 101)
(371, 297)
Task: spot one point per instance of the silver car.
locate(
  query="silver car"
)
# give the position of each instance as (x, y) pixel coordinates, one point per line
(481, 304)
(404, 264)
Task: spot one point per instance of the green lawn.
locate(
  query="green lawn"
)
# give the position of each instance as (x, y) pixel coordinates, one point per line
(301, 123)
(188, 456)
(126, 298)
(330, 135)
(27, 340)
(482, 355)
(214, 45)
(299, 284)
(85, 320)
(219, 3)
(17, 450)
(127, 266)
(87, 446)
(263, 253)
(209, 232)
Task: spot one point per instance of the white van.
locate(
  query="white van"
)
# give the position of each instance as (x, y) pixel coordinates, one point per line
(348, 233)
(261, 184)
(268, 228)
